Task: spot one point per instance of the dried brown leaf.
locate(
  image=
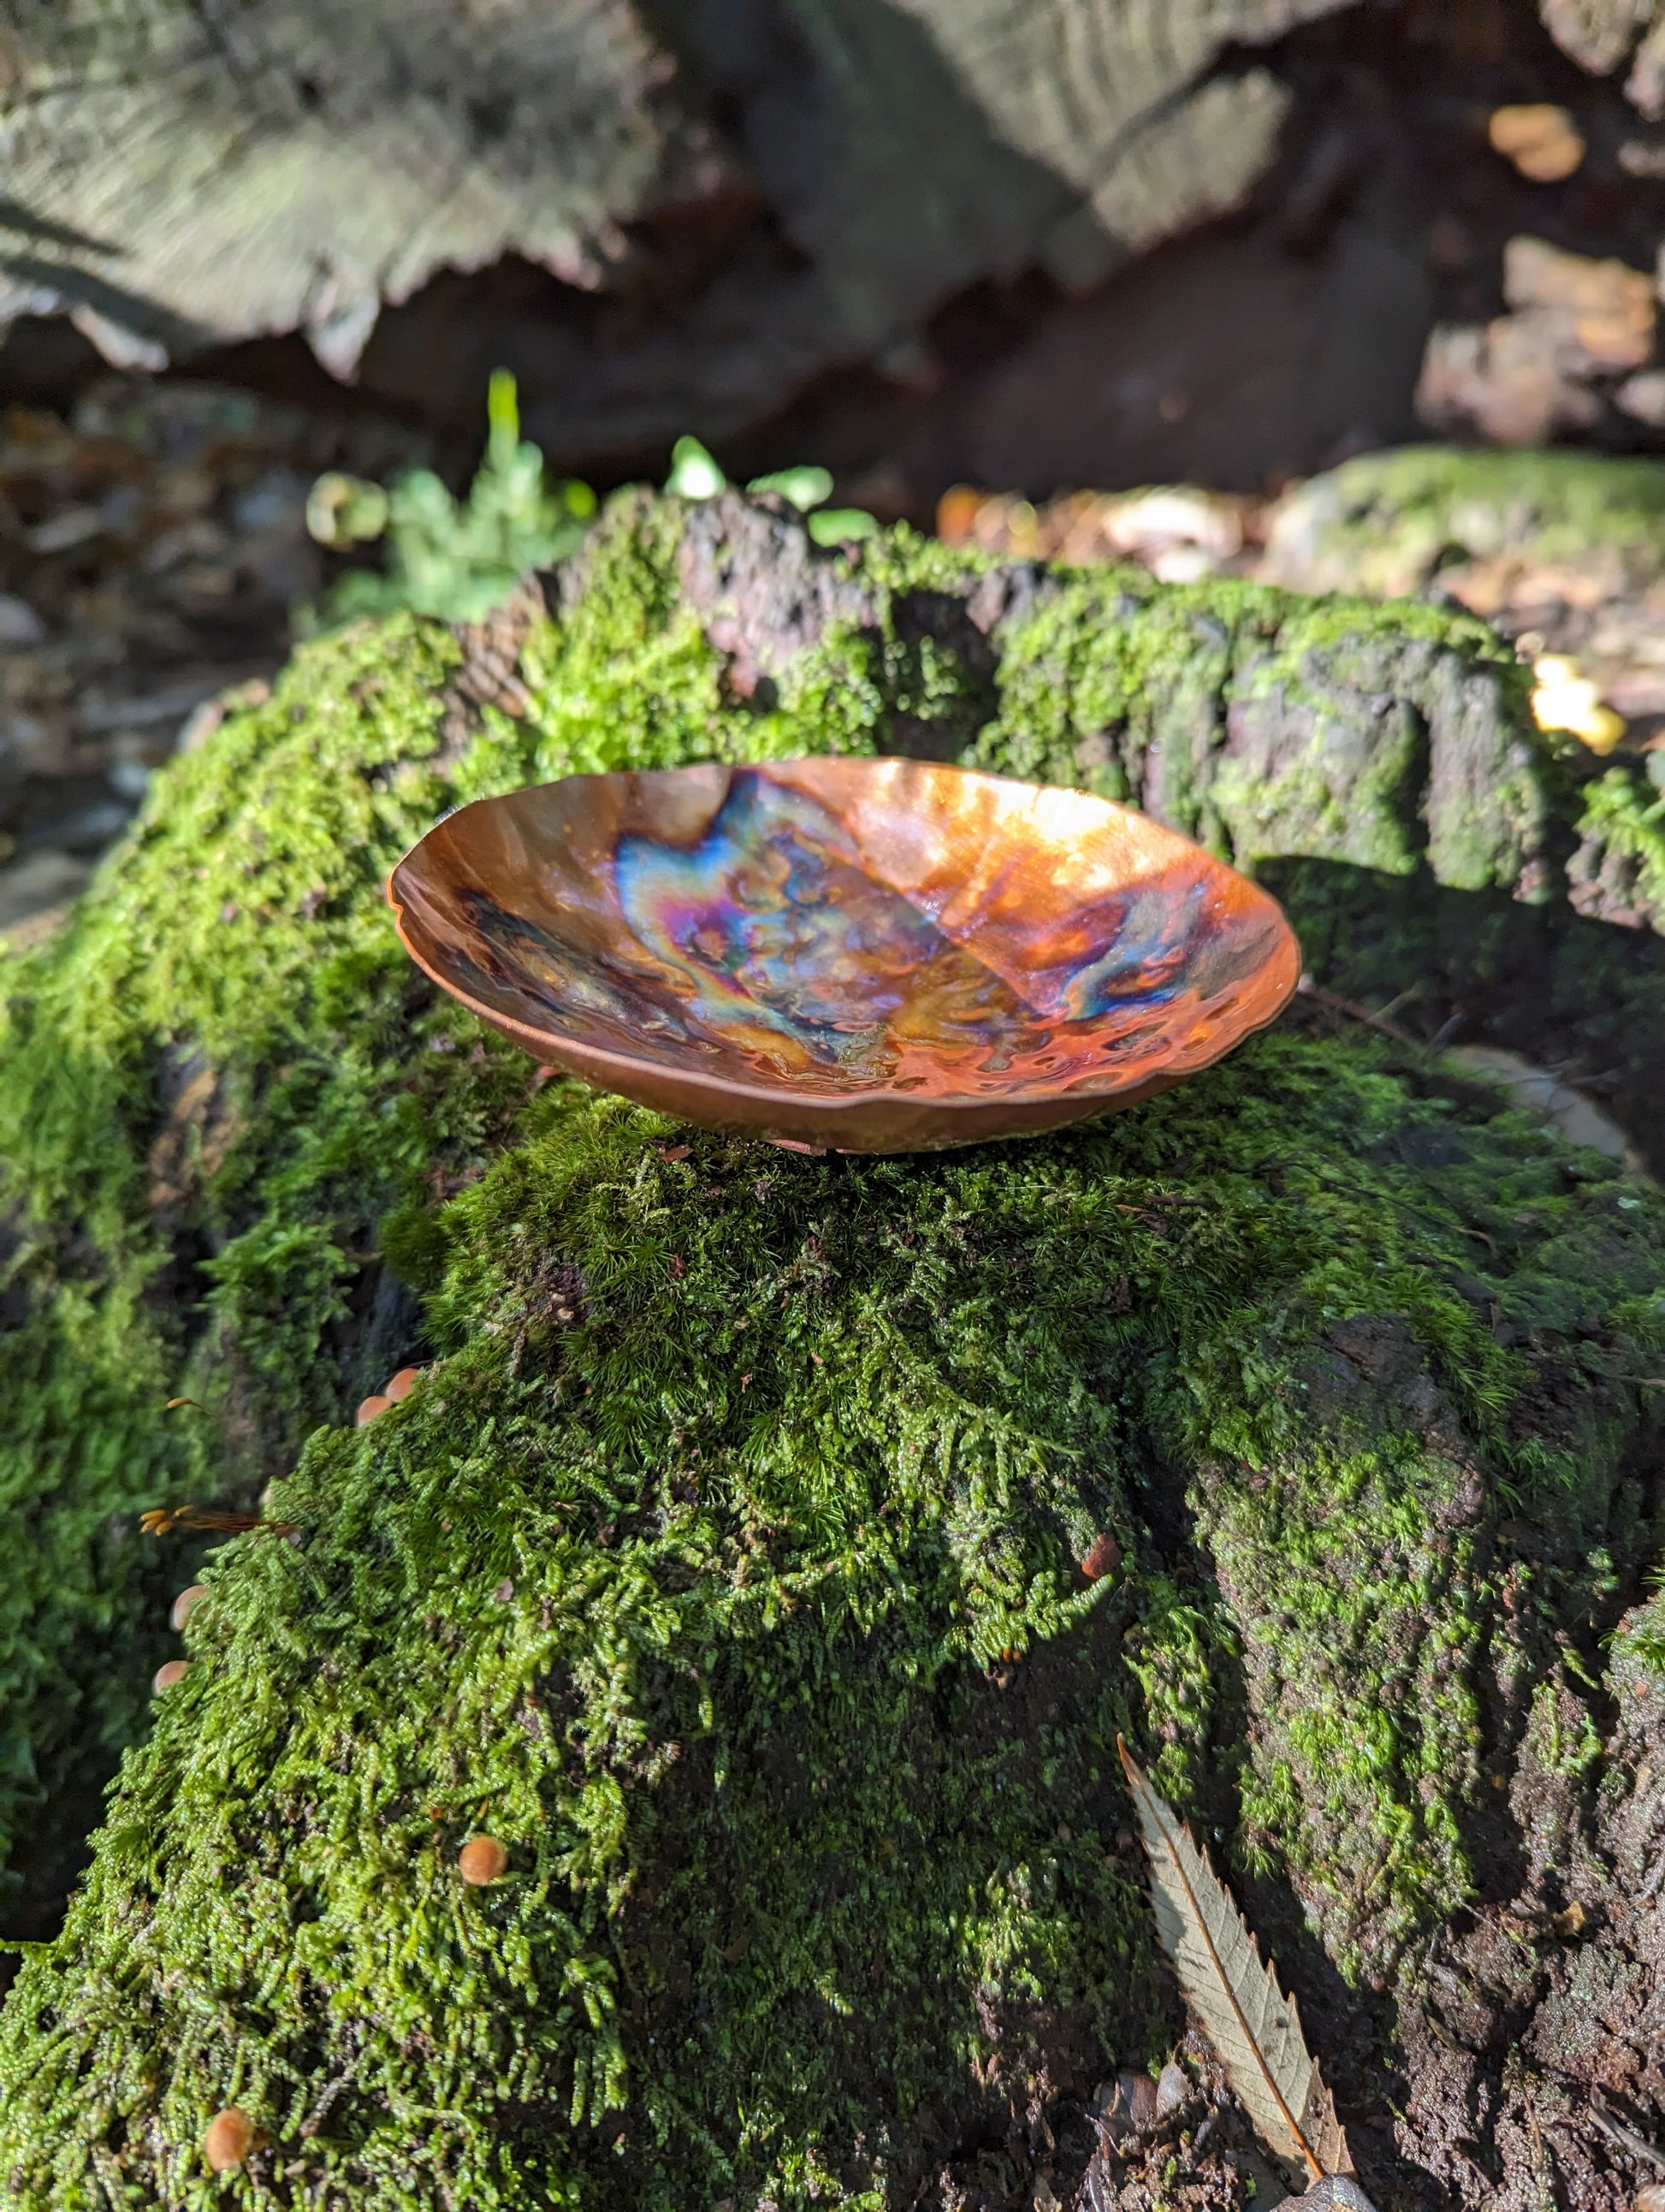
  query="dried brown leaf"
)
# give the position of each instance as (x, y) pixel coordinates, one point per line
(1255, 2028)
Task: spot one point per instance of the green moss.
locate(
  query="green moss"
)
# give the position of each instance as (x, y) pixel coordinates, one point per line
(1265, 725)
(742, 1606)
(1387, 523)
(223, 1246)
(455, 559)
(1641, 1649)
(1621, 830)
(788, 1828)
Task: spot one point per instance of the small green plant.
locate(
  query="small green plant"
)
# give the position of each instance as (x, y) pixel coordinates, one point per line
(454, 559)
(1646, 1641)
(696, 475)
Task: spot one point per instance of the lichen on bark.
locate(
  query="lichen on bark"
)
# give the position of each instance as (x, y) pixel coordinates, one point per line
(724, 1563)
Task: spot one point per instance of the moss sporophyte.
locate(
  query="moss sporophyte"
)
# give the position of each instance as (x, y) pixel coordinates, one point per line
(723, 1571)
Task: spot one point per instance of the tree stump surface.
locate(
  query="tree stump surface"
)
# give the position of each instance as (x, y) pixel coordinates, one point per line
(724, 1564)
(180, 178)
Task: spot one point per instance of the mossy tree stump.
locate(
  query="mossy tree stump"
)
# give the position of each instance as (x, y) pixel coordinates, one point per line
(724, 1564)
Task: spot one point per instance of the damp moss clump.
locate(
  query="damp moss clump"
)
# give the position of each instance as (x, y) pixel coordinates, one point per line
(214, 1086)
(723, 1566)
(223, 1081)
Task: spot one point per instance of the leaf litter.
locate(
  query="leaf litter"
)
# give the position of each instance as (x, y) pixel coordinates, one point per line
(1254, 2027)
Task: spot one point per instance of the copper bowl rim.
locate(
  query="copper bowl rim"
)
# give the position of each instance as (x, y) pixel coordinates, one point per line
(1046, 1110)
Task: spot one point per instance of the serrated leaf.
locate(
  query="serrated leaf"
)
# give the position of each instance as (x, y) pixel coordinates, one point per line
(1255, 2028)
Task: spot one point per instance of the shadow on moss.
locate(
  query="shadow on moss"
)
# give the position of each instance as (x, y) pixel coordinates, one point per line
(1585, 997)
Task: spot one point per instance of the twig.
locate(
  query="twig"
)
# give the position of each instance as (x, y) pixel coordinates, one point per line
(1334, 1003)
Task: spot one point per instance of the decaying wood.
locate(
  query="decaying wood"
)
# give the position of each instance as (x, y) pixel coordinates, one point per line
(1603, 35)
(182, 174)
(1599, 34)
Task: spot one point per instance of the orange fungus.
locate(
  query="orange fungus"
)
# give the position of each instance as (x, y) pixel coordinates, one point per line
(481, 1860)
(186, 1603)
(1102, 1559)
(230, 2139)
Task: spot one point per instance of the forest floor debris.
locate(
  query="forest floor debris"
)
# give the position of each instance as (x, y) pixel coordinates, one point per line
(1575, 328)
(1588, 619)
(153, 542)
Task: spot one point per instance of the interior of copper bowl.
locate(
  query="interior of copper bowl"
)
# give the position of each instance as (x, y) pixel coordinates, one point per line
(838, 927)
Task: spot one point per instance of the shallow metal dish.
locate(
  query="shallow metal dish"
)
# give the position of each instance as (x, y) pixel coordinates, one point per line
(878, 956)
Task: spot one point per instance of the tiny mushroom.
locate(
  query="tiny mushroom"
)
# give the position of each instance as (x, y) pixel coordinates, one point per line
(1102, 1558)
(165, 1676)
(230, 2137)
(481, 1860)
(399, 1387)
(376, 1403)
(186, 1604)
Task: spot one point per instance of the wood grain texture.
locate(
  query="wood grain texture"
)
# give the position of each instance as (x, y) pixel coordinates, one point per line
(188, 171)
(975, 137)
(216, 169)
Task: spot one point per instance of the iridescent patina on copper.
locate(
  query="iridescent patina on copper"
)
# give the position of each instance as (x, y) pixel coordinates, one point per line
(880, 956)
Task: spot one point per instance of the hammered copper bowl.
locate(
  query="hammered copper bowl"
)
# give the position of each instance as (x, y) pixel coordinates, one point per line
(873, 956)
